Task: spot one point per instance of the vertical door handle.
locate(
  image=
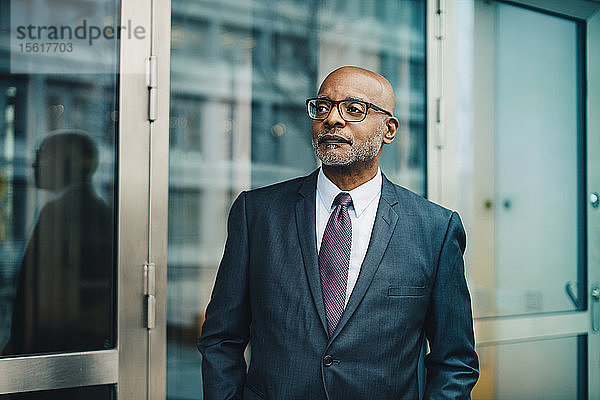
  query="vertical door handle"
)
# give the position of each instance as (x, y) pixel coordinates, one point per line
(595, 307)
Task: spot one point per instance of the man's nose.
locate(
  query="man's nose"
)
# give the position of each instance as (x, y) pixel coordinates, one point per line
(334, 118)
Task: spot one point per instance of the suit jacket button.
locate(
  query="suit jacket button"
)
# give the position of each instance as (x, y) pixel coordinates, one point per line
(327, 360)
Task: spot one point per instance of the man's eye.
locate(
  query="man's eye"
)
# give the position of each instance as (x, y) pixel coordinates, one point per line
(322, 108)
(355, 108)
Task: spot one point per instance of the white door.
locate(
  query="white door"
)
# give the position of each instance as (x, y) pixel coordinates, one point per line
(522, 149)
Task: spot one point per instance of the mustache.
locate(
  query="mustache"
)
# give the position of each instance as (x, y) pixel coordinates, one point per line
(332, 134)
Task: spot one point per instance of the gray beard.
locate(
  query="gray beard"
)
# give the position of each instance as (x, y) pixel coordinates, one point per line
(366, 152)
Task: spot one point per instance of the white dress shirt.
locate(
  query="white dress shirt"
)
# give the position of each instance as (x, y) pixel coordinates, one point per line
(365, 200)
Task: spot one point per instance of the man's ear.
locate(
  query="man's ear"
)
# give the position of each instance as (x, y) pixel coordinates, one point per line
(391, 128)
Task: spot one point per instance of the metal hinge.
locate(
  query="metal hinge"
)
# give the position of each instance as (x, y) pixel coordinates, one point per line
(440, 19)
(149, 295)
(439, 128)
(151, 82)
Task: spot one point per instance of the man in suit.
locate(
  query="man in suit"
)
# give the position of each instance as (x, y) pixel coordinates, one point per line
(63, 300)
(336, 278)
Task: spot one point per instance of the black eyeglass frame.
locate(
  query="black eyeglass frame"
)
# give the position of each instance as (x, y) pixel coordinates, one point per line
(337, 104)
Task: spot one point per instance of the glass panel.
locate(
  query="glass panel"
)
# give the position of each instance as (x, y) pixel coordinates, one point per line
(240, 75)
(105, 392)
(552, 369)
(523, 167)
(57, 174)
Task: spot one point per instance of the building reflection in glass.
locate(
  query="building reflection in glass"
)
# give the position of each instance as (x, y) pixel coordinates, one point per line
(240, 74)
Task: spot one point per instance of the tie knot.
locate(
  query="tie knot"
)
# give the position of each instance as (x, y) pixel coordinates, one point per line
(343, 199)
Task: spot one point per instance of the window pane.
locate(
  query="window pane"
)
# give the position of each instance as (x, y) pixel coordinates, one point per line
(240, 76)
(550, 369)
(57, 174)
(523, 189)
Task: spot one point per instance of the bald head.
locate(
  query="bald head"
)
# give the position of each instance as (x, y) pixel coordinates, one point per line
(64, 158)
(368, 84)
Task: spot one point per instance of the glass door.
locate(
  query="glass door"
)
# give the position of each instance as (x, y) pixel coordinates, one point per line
(528, 181)
(74, 198)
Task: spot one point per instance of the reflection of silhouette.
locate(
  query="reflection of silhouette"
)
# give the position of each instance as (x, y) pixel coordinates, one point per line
(64, 292)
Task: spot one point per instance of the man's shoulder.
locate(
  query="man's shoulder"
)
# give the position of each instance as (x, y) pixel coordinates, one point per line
(290, 187)
(413, 203)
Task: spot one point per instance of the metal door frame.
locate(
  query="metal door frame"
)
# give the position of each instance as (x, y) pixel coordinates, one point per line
(159, 192)
(134, 204)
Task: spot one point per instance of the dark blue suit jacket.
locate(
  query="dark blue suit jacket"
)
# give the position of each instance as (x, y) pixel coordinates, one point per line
(268, 292)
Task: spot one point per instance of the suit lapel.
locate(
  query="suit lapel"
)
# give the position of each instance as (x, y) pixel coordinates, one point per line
(383, 227)
(306, 224)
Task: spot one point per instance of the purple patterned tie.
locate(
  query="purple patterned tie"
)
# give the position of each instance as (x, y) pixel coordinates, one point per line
(334, 260)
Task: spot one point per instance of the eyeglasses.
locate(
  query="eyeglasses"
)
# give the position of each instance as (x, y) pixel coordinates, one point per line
(350, 110)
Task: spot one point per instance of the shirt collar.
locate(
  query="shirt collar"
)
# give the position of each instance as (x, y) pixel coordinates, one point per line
(362, 196)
